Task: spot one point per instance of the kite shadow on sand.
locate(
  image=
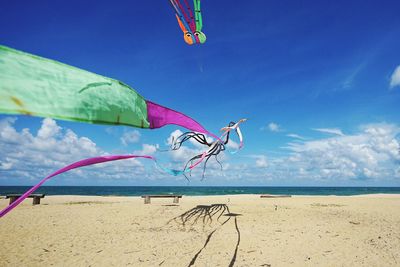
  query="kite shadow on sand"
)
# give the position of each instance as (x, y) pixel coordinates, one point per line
(207, 214)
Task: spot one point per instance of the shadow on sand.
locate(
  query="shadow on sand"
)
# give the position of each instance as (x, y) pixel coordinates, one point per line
(206, 214)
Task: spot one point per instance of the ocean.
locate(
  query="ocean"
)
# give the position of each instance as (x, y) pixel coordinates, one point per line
(198, 190)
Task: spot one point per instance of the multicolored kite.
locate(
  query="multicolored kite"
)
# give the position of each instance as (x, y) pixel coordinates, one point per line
(191, 26)
(36, 86)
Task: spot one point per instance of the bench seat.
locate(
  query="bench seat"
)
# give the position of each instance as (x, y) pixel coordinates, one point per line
(148, 197)
(36, 198)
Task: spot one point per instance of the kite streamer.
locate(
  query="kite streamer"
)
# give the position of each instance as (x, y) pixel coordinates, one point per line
(78, 164)
(32, 85)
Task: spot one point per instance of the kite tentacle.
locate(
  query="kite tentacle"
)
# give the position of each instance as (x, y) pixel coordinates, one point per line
(215, 147)
(188, 34)
(197, 13)
(200, 138)
(188, 18)
(217, 160)
(192, 20)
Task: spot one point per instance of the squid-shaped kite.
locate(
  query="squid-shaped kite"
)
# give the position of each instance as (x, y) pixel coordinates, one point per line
(215, 147)
(189, 24)
(37, 86)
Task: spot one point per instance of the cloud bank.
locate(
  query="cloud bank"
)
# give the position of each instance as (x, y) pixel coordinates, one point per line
(373, 153)
(369, 155)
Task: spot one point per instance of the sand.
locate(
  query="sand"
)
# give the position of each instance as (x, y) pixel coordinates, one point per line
(243, 230)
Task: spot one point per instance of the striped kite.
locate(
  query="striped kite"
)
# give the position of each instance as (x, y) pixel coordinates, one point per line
(189, 24)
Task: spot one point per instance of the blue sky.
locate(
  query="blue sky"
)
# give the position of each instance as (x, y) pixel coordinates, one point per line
(316, 79)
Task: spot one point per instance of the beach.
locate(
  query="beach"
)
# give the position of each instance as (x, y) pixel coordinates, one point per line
(227, 230)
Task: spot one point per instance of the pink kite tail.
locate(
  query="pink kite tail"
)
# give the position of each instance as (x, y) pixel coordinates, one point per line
(159, 116)
(78, 164)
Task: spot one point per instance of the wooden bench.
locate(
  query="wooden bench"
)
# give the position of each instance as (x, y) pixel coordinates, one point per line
(274, 196)
(148, 197)
(36, 198)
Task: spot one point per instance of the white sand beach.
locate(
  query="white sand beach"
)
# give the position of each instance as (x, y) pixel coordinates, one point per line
(243, 230)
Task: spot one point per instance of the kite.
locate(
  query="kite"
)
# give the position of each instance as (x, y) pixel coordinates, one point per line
(189, 24)
(215, 147)
(32, 85)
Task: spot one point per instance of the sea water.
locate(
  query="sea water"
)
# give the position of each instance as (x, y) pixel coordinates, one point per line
(198, 190)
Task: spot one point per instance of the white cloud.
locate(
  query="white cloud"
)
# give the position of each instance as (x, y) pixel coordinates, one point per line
(7, 165)
(370, 156)
(184, 153)
(130, 137)
(261, 161)
(330, 131)
(352, 74)
(49, 129)
(146, 150)
(296, 136)
(173, 136)
(272, 126)
(232, 145)
(25, 156)
(395, 78)
(373, 153)
(111, 131)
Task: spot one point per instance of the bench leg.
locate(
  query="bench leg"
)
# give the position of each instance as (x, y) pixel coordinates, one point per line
(176, 199)
(147, 200)
(36, 201)
(12, 199)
